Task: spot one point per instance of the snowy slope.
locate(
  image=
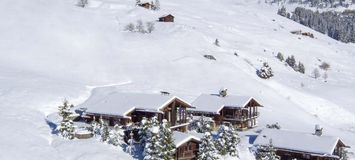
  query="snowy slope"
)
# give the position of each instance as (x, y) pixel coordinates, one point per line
(52, 49)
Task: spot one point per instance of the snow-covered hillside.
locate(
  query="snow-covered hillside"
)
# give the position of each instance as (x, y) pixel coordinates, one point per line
(53, 49)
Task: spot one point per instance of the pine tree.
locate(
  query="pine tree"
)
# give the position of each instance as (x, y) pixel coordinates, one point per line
(203, 125)
(105, 133)
(291, 61)
(227, 140)
(96, 127)
(66, 127)
(301, 68)
(265, 71)
(167, 140)
(207, 150)
(153, 146)
(116, 135)
(267, 152)
(216, 42)
(157, 5)
(145, 125)
(131, 148)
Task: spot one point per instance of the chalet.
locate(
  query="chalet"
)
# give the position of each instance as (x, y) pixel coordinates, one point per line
(297, 145)
(123, 108)
(166, 18)
(187, 146)
(147, 5)
(240, 111)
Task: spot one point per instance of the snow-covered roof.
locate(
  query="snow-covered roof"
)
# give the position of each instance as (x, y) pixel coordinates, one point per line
(214, 103)
(180, 138)
(121, 104)
(298, 141)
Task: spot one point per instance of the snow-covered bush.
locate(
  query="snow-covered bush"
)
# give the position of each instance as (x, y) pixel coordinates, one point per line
(66, 127)
(315, 73)
(265, 71)
(130, 27)
(343, 154)
(266, 152)
(150, 27)
(273, 126)
(280, 56)
(96, 127)
(227, 140)
(140, 27)
(207, 149)
(156, 5)
(325, 66)
(216, 42)
(82, 3)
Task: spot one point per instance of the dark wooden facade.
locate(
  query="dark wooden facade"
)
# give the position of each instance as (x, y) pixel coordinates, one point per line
(146, 5)
(286, 154)
(241, 117)
(175, 112)
(187, 151)
(167, 18)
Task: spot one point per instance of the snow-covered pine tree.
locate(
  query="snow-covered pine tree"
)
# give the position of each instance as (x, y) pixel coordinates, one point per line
(207, 149)
(227, 140)
(166, 138)
(291, 61)
(267, 152)
(157, 5)
(96, 127)
(153, 146)
(131, 147)
(265, 71)
(343, 154)
(66, 127)
(145, 125)
(105, 133)
(301, 68)
(203, 125)
(116, 135)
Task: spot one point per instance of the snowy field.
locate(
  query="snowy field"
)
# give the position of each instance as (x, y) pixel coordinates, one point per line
(51, 50)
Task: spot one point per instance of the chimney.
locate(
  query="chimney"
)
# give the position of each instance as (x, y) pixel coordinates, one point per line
(223, 92)
(318, 130)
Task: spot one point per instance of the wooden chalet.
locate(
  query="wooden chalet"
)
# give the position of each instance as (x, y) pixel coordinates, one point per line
(186, 146)
(240, 111)
(124, 108)
(147, 5)
(297, 145)
(166, 18)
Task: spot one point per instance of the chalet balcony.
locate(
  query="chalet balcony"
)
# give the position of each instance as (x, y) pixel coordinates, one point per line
(241, 118)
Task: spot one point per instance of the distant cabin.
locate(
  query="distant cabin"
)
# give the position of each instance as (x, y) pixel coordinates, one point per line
(166, 18)
(146, 5)
(240, 111)
(124, 108)
(306, 146)
(187, 145)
